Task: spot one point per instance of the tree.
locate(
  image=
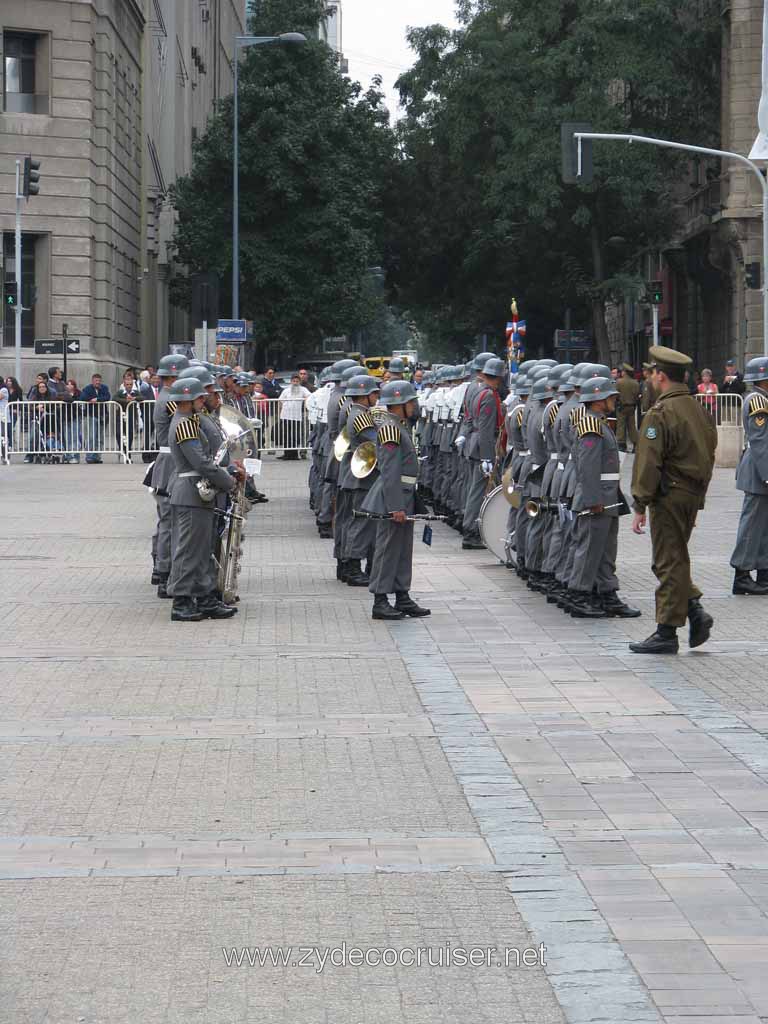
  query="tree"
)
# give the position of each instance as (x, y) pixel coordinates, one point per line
(314, 150)
(480, 153)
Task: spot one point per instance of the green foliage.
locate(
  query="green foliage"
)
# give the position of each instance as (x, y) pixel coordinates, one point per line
(314, 153)
(481, 212)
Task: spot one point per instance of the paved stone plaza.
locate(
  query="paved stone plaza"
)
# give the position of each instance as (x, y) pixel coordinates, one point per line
(496, 775)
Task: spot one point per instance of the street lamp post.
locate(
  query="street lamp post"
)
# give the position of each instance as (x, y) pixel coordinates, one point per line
(243, 42)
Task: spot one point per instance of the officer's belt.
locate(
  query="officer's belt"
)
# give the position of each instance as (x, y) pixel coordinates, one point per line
(561, 465)
(164, 451)
(409, 480)
(610, 476)
(183, 475)
(553, 456)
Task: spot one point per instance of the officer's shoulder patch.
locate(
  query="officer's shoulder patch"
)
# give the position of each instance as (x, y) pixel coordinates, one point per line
(362, 421)
(172, 408)
(520, 416)
(187, 429)
(758, 404)
(554, 409)
(589, 425)
(342, 400)
(577, 413)
(389, 433)
(651, 433)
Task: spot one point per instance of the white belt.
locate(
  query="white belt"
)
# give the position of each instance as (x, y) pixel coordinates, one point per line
(570, 458)
(560, 465)
(409, 480)
(164, 451)
(535, 467)
(182, 475)
(553, 457)
(610, 476)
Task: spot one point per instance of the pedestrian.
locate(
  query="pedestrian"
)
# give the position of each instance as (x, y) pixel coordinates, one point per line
(95, 395)
(733, 381)
(15, 393)
(292, 417)
(56, 380)
(34, 391)
(673, 467)
(751, 551)
(129, 396)
(418, 379)
(272, 387)
(5, 423)
(708, 388)
(626, 416)
(307, 379)
(73, 422)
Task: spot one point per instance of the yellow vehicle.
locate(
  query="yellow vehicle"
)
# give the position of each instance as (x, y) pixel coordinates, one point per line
(377, 366)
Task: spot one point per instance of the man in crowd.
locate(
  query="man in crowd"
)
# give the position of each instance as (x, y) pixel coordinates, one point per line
(418, 379)
(95, 394)
(307, 379)
(673, 467)
(733, 381)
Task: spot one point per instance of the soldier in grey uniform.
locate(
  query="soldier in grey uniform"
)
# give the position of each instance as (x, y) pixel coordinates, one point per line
(360, 534)
(343, 511)
(487, 418)
(751, 551)
(555, 553)
(396, 368)
(394, 495)
(516, 456)
(537, 461)
(465, 440)
(328, 492)
(596, 458)
(162, 471)
(190, 580)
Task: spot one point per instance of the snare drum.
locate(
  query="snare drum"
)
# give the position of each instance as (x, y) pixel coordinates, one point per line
(493, 524)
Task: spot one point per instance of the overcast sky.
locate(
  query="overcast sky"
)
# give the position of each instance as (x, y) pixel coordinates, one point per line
(374, 37)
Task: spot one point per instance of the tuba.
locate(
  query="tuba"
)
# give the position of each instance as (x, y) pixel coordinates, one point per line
(240, 441)
(363, 460)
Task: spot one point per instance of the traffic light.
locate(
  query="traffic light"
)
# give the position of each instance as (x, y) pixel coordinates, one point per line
(570, 149)
(10, 298)
(31, 186)
(655, 292)
(753, 275)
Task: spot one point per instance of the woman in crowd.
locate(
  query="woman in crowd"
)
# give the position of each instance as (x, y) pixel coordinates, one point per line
(708, 388)
(73, 422)
(292, 401)
(129, 397)
(46, 424)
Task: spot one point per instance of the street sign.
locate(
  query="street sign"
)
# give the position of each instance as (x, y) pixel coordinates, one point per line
(572, 340)
(232, 332)
(55, 346)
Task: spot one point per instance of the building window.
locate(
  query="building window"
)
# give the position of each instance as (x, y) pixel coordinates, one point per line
(28, 289)
(25, 74)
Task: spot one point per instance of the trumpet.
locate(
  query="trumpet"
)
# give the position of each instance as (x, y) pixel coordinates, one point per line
(534, 508)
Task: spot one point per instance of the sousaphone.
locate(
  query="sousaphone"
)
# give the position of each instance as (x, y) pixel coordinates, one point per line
(363, 460)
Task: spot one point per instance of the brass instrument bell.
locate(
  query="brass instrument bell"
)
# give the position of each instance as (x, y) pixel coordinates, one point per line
(341, 445)
(513, 495)
(363, 460)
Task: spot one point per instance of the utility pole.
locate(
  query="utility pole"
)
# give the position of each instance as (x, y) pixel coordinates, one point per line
(17, 310)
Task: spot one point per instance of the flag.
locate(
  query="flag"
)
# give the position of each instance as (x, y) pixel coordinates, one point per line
(522, 328)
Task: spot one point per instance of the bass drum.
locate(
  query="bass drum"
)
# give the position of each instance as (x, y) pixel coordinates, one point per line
(493, 523)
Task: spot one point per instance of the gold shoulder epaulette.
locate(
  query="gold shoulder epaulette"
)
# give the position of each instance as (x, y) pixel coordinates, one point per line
(363, 421)
(519, 417)
(758, 403)
(389, 434)
(589, 425)
(187, 430)
(554, 409)
(577, 413)
(171, 408)
(342, 400)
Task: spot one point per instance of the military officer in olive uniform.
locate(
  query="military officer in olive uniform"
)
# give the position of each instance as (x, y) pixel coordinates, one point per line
(648, 394)
(394, 496)
(598, 496)
(162, 471)
(626, 417)
(191, 533)
(751, 551)
(673, 467)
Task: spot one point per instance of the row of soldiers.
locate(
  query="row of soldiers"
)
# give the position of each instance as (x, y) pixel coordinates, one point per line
(368, 515)
(187, 538)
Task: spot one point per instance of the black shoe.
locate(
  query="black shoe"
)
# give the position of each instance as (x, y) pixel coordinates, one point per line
(157, 577)
(556, 593)
(341, 570)
(355, 576)
(211, 608)
(663, 641)
(161, 589)
(762, 577)
(583, 606)
(616, 609)
(185, 610)
(29, 459)
(404, 603)
(382, 609)
(261, 499)
(472, 542)
(744, 584)
(326, 532)
(700, 622)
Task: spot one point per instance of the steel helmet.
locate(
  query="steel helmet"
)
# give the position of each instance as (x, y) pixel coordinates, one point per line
(522, 385)
(227, 371)
(363, 384)
(200, 373)
(562, 370)
(335, 371)
(595, 388)
(539, 373)
(396, 365)
(547, 362)
(526, 366)
(186, 389)
(352, 371)
(397, 392)
(481, 359)
(495, 368)
(540, 388)
(172, 365)
(756, 369)
(599, 370)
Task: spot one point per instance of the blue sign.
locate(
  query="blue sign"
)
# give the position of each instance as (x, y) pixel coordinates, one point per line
(232, 332)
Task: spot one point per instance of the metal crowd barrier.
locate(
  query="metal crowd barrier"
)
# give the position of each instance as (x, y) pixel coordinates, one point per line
(64, 431)
(726, 410)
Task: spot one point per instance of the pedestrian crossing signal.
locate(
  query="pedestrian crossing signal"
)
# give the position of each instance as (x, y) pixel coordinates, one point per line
(655, 291)
(10, 299)
(753, 275)
(31, 179)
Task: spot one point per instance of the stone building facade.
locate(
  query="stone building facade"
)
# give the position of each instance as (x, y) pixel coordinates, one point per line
(108, 95)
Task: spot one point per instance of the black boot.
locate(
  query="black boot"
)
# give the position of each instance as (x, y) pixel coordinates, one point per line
(162, 587)
(382, 609)
(700, 623)
(663, 641)
(615, 608)
(762, 577)
(472, 541)
(185, 610)
(341, 570)
(355, 575)
(325, 530)
(404, 603)
(212, 608)
(157, 577)
(583, 606)
(744, 584)
(555, 593)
